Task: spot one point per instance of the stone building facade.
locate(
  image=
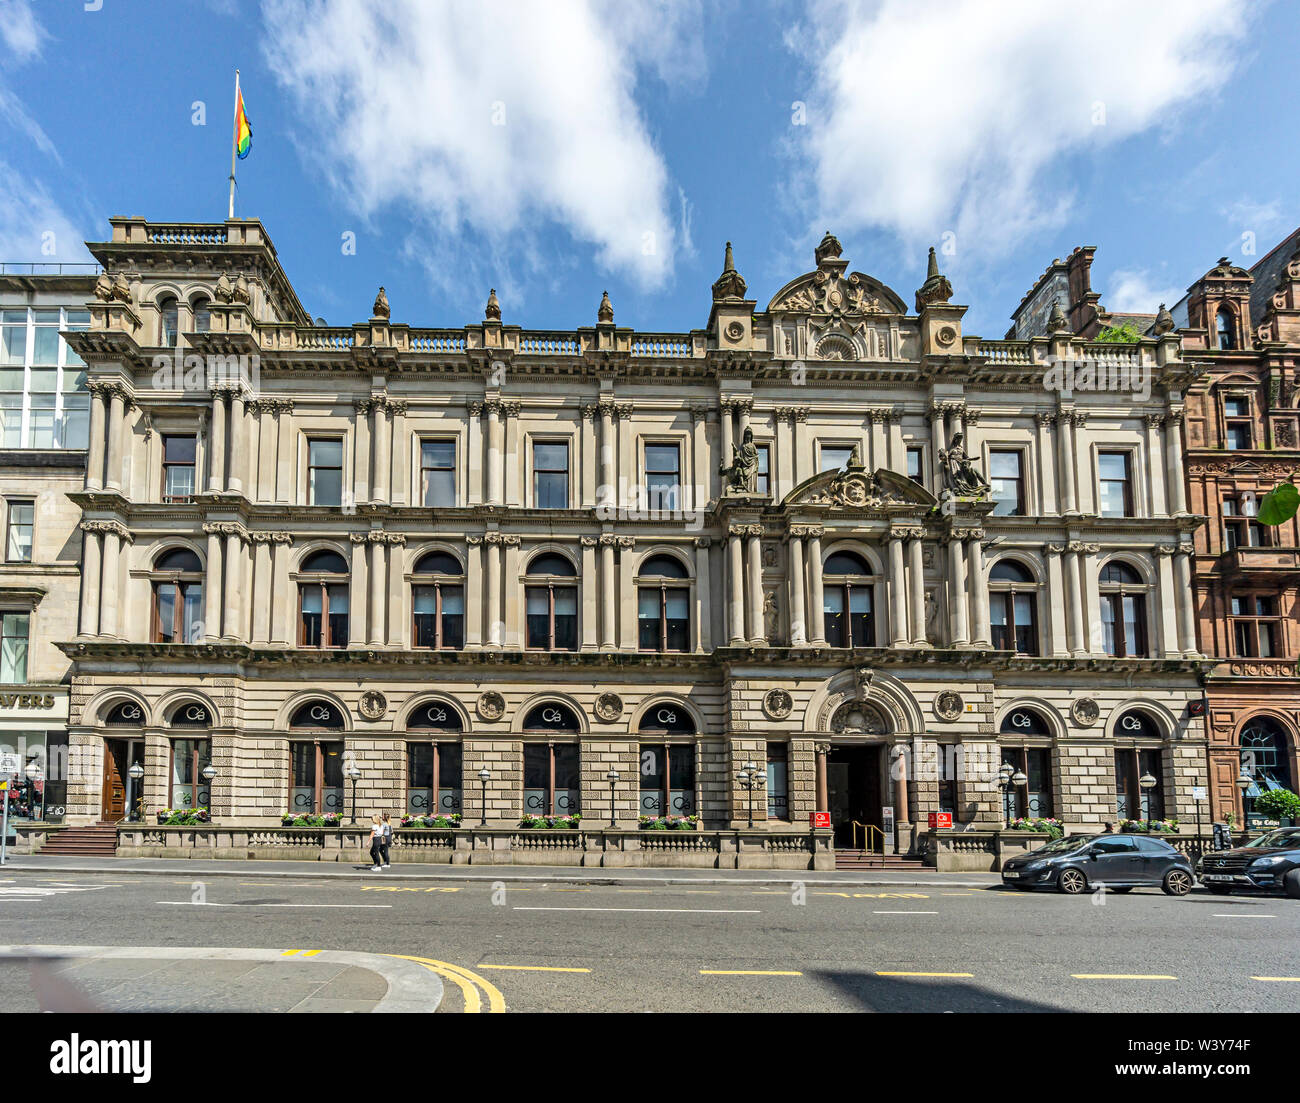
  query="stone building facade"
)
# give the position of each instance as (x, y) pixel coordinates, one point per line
(1243, 438)
(836, 539)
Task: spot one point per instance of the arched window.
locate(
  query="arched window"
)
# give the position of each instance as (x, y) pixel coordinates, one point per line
(1033, 798)
(1013, 607)
(1024, 721)
(551, 770)
(191, 714)
(666, 718)
(1226, 327)
(167, 323)
(187, 787)
(551, 716)
(667, 768)
(125, 714)
(202, 316)
(323, 601)
(1266, 757)
(178, 597)
(847, 601)
(316, 760)
(1123, 611)
(433, 767)
(438, 602)
(551, 604)
(317, 715)
(663, 609)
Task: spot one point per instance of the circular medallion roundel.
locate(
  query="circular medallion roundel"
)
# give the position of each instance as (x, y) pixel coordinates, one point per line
(609, 706)
(778, 704)
(491, 705)
(1085, 712)
(948, 705)
(373, 704)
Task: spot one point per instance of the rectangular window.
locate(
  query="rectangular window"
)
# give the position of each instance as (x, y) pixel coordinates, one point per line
(325, 472)
(835, 456)
(667, 780)
(1115, 491)
(663, 618)
(438, 473)
(1132, 802)
(663, 476)
(178, 612)
(551, 785)
(433, 779)
(1034, 798)
(38, 787)
(948, 756)
(439, 616)
(13, 648)
(178, 468)
(551, 617)
(189, 788)
(1013, 622)
(19, 542)
(1256, 629)
(317, 778)
(915, 465)
(550, 475)
(763, 483)
(1238, 423)
(45, 343)
(13, 341)
(778, 781)
(1240, 530)
(1007, 478)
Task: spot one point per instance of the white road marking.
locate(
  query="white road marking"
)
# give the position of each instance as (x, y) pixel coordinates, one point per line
(1226, 915)
(903, 913)
(661, 911)
(16, 891)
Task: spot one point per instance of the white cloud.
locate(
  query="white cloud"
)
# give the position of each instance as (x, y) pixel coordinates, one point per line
(22, 32)
(400, 102)
(33, 227)
(945, 116)
(1133, 290)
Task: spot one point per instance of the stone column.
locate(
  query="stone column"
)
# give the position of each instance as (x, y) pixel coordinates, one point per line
(736, 585)
(606, 492)
(474, 461)
(238, 443)
(744, 407)
(212, 582)
(798, 615)
(92, 564)
(495, 464)
(399, 485)
(608, 594)
(378, 577)
(626, 599)
(700, 483)
(382, 453)
(957, 598)
(495, 624)
(816, 599)
(1186, 603)
(1065, 452)
(703, 603)
(897, 593)
(111, 592)
(1074, 608)
(897, 456)
(902, 812)
(358, 589)
(725, 421)
(473, 591)
(116, 437)
(1177, 488)
(938, 441)
(282, 595)
(1046, 474)
(262, 592)
(916, 585)
(978, 589)
(95, 445)
(1056, 600)
(589, 467)
(1159, 497)
(234, 624)
(823, 788)
(801, 466)
(217, 443)
(512, 605)
(590, 590)
(754, 577)
(286, 487)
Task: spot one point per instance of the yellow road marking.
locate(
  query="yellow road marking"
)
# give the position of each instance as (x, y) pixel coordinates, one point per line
(750, 973)
(899, 974)
(535, 968)
(388, 888)
(466, 981)
(1292, 980)
(843, 894)
(1121, 976)
(454, 889)
(956, 894)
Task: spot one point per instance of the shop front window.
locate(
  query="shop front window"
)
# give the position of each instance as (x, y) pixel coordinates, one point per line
(551, 781)
(189, 788)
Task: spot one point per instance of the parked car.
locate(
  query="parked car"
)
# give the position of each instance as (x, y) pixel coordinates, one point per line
(1270, 862)
(1120, 862)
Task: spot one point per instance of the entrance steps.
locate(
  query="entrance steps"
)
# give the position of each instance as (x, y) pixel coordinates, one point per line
(96, 841)
(870, 859)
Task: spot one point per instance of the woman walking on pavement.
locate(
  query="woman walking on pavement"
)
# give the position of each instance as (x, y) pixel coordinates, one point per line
(386, 839)
(376, 843)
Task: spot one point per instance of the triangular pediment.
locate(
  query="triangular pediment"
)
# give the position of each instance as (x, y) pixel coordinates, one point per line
(857, 488)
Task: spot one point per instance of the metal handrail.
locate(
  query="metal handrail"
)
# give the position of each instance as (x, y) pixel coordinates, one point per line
(869, 832)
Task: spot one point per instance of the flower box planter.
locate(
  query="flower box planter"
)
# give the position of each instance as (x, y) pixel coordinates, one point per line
(669, 823)
(1053, 829)
(551, 823)
(184, 817)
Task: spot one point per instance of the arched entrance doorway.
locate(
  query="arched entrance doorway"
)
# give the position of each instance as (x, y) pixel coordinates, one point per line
(1266, 759)
(857, 775)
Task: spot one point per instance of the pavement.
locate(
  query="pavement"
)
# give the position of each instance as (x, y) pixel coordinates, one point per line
(419, 871)
(555, 945)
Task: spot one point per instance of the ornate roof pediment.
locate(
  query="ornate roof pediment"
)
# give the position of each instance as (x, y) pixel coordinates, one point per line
(833, 293)
(857, 488)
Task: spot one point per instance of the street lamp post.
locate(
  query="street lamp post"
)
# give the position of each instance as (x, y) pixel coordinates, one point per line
(613, 780)
(136, 772)
(1004, 783)
(207, 774)
(1244, 782)
(751, 778)
(1146, 782)
(354, 775)
(484, 776)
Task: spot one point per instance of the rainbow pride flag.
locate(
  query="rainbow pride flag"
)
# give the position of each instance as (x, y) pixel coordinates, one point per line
(243, 128)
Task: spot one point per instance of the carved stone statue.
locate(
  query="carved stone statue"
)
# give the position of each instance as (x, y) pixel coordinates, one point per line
(742, 472)
(959, 474)
(381, 305)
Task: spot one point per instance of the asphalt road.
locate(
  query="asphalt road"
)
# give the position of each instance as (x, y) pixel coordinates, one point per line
(554, 948)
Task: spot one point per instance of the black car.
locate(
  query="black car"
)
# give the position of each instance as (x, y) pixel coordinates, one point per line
(1270, 862)
(1120, 862)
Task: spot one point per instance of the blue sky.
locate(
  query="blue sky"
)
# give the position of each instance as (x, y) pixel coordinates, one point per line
(553, 150)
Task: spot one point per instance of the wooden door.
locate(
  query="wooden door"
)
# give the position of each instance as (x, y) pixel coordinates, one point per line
(113, 802)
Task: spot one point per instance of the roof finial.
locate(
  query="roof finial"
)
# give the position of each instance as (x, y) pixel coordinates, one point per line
(605, 312)
(936, 289)
(729, 285)
(492, 312)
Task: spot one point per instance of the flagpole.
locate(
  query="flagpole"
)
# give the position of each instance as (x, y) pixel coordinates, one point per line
(233, 146)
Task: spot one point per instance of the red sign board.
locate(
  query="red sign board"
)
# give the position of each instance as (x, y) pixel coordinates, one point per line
(941, 819)
(819, 819)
